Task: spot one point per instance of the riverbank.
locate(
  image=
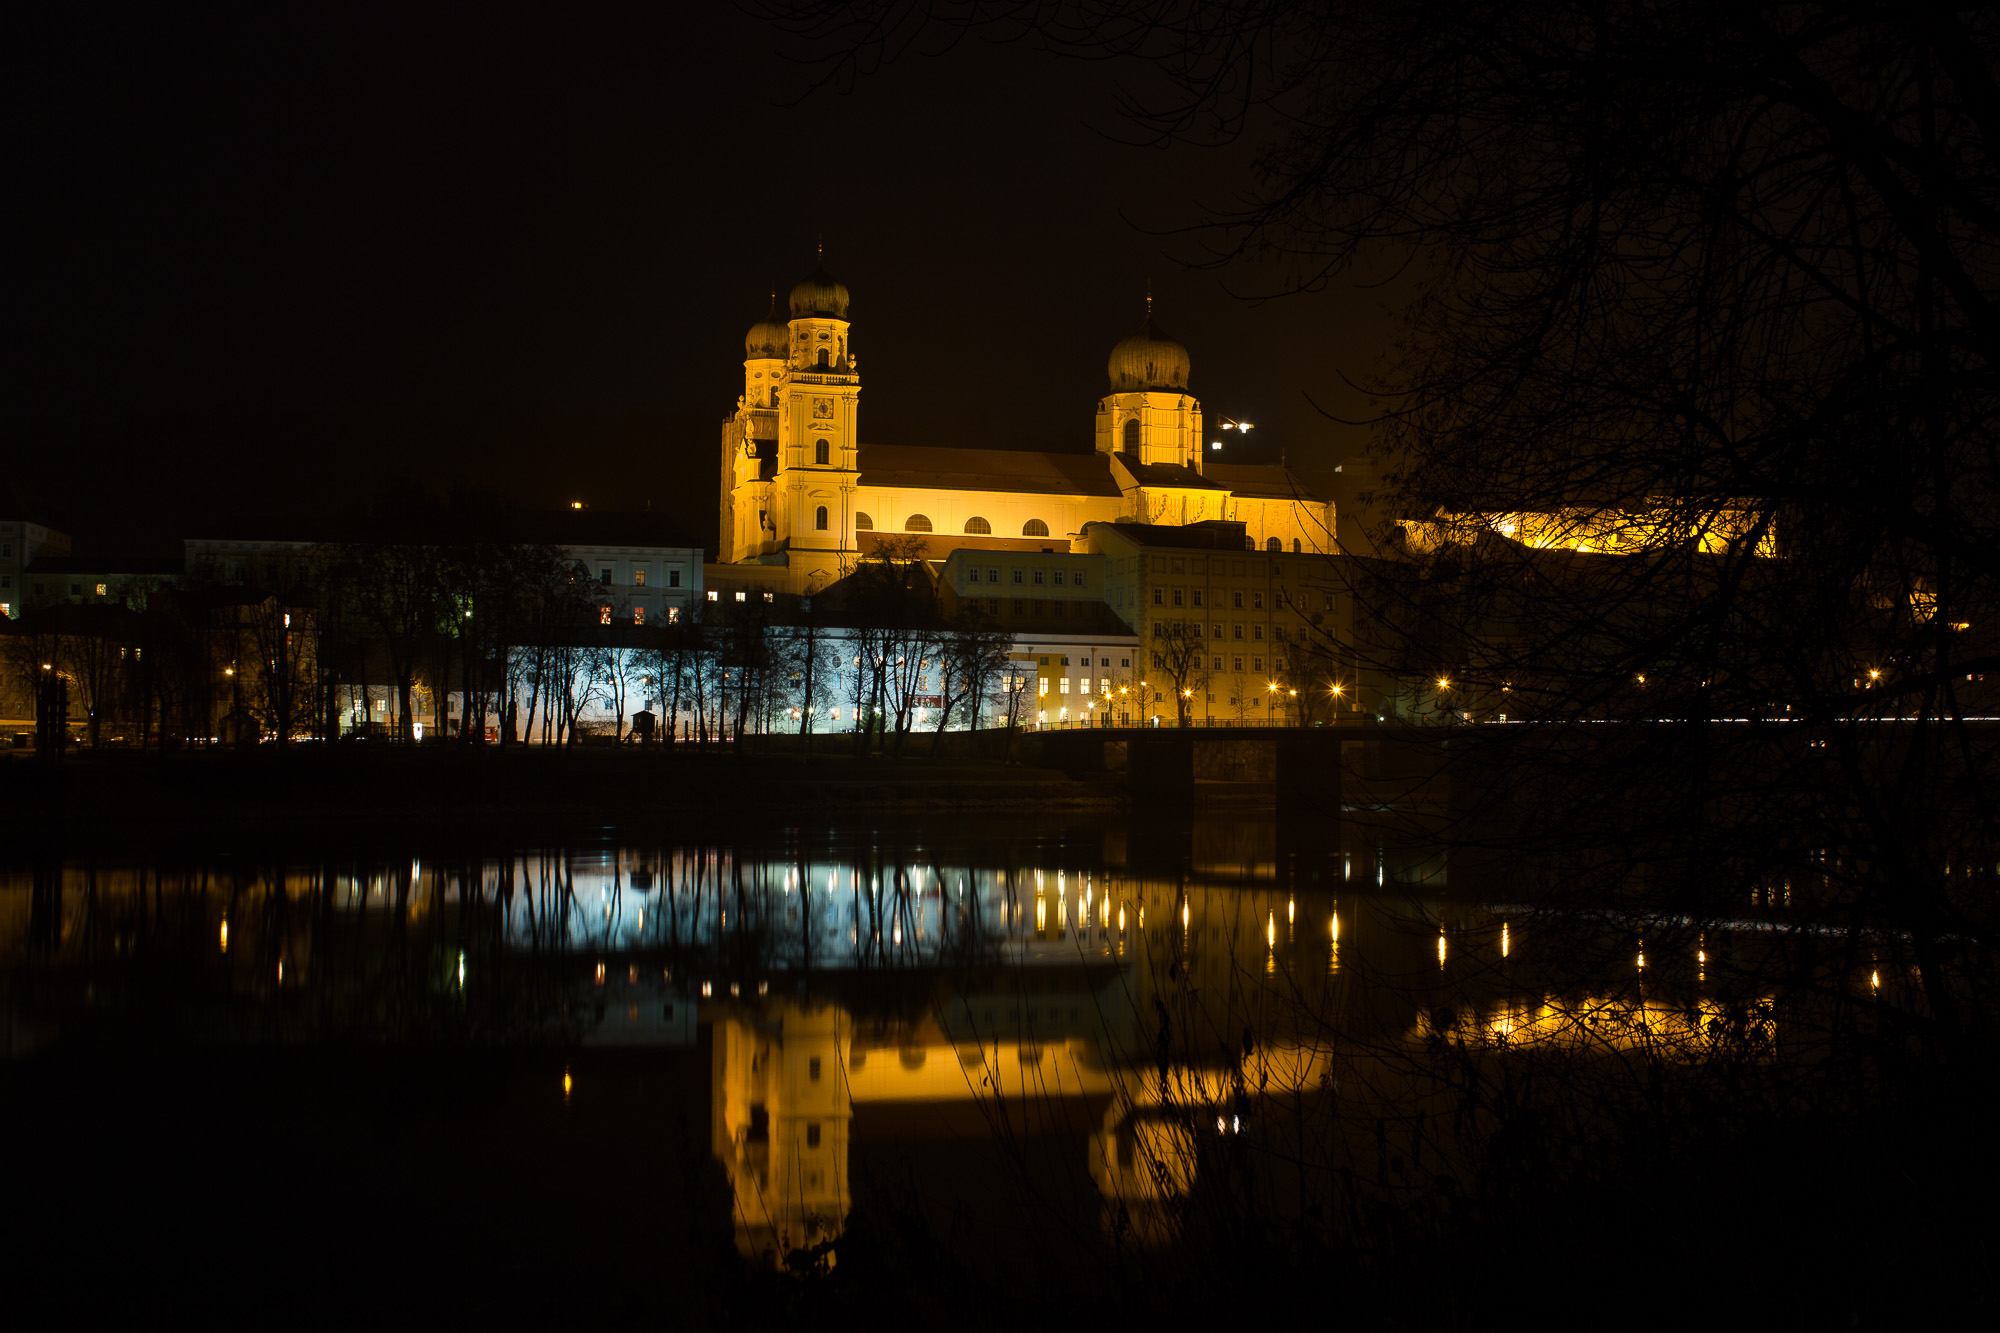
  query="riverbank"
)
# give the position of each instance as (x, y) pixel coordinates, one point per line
(522, 793)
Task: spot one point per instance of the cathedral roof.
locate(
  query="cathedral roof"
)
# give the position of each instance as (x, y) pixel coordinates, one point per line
(985, 470)
(1167, 476)
(817, 294)
(1262, 481)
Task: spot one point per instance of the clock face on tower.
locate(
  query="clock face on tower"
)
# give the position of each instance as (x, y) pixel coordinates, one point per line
(823, 408)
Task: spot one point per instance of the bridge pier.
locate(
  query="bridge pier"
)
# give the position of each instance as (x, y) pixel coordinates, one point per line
(1159, 769)
(1307, 773)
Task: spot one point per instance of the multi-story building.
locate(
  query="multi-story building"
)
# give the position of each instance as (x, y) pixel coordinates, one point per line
(25, 542)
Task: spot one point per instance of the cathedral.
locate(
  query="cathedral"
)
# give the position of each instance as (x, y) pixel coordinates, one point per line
(801, 492)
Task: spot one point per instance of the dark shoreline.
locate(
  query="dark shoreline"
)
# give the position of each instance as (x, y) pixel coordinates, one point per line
(116, 797)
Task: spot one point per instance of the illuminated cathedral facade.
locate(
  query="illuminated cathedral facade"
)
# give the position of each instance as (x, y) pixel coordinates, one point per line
(801, 491)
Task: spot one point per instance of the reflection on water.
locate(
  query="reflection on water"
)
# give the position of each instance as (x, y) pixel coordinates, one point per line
(858, 991)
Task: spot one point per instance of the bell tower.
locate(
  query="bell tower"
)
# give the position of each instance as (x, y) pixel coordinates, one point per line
(1149, 417)
(818, 435)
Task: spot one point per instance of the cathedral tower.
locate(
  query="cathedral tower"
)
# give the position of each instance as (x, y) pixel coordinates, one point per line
(789, 450)
(1149, 416)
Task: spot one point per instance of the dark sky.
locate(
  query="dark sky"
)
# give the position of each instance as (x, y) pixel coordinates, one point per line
(274, 258)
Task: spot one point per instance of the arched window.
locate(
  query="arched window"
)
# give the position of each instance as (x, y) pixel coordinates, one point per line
(823, 362)
(1132, 435)
(1034, 527)
(819, 452)
(1295, 546)
(916, 523)
(978, 525)
(863, 523)
(819, 519)
(1274, 545)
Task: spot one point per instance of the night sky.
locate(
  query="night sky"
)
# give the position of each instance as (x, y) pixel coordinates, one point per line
(275, 259)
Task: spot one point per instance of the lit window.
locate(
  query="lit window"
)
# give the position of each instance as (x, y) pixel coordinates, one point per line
(100, 590)
(711, 594)
(1065, 684)
(638, 576)
(604, 615)
(742, 596)
(673, 615)
(638, 615)
(1083, 686)
(770, 597)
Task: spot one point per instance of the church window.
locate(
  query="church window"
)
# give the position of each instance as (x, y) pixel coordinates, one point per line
(1132, 435)
(1159, 597)
(820, 452)
(916, 523)
(978, 525)
(1034, 527)
(824, 359)
(819, 514)
(1038, 576)
(1295, 546)
(1274, 545)
(863, 523)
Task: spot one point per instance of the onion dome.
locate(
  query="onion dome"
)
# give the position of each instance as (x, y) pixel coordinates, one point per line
(819, 295)
(767, 340)
(1149, 359)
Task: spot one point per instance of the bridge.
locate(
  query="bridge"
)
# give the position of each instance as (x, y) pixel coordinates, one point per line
(1306, 767)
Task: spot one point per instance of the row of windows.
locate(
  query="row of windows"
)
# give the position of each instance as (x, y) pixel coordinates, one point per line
(975, 525)
(1164, 629)
(1041, 608)
(1235, 664)
(639, 575)
(1076, 576)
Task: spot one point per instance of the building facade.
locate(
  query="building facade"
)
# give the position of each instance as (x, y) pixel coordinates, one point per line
(802, 494)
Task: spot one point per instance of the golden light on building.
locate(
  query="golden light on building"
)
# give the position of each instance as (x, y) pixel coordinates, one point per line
(225, 934)
(568, 1083)
(1506, 944)
(1440, 946)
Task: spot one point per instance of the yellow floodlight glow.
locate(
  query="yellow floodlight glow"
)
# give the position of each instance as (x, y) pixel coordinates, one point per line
(225, 934)
(1506, 944)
